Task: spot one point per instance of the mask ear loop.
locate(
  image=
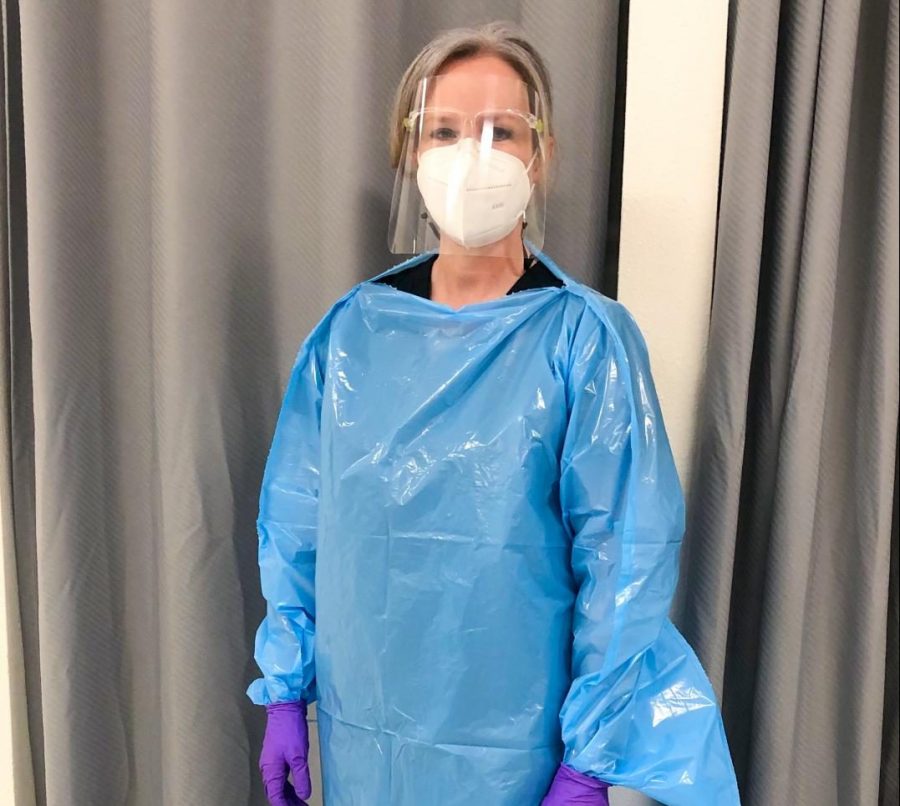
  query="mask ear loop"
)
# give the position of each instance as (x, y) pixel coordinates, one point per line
(529, 259)
(524, 212)
(432, 226)
(539, 129)
(408, 124)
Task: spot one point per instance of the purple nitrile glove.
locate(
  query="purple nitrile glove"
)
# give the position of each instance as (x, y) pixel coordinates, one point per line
(572, 788)
(285, 749)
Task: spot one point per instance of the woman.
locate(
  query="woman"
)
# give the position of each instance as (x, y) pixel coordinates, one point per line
(470, 517)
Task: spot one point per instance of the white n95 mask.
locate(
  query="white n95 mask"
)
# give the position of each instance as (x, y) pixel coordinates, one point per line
(474, 199)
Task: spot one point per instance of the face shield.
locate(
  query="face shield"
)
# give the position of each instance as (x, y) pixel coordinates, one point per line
(472, 170)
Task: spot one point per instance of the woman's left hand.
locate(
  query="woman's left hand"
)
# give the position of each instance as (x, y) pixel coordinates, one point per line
(572, 788)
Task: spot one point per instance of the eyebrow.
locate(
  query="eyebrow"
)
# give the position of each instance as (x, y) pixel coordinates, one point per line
(496, 114)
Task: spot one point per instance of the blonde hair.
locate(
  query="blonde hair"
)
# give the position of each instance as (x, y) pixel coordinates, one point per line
(500, 39)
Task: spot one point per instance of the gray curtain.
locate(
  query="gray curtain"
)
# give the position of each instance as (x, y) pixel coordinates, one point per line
(203, 180)
(789, 575)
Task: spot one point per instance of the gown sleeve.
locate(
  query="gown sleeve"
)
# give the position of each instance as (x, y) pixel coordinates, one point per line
(640, 711)
(287, 527)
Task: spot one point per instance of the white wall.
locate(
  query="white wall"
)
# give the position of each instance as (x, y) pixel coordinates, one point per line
(673, 124)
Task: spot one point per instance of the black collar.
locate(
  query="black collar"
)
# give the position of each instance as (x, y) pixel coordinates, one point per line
(417, 279)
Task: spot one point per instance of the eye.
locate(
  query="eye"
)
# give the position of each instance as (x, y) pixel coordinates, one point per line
(443, 133)
(502, 133)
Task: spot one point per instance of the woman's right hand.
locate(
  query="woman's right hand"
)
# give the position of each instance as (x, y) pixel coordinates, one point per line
(286, 749)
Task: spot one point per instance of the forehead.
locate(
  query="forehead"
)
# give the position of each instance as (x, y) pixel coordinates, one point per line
(471, 93)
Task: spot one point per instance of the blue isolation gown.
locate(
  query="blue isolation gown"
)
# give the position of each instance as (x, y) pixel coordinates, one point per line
(469, 531)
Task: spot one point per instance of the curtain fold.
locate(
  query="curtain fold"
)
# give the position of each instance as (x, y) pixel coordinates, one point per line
(20, 680)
